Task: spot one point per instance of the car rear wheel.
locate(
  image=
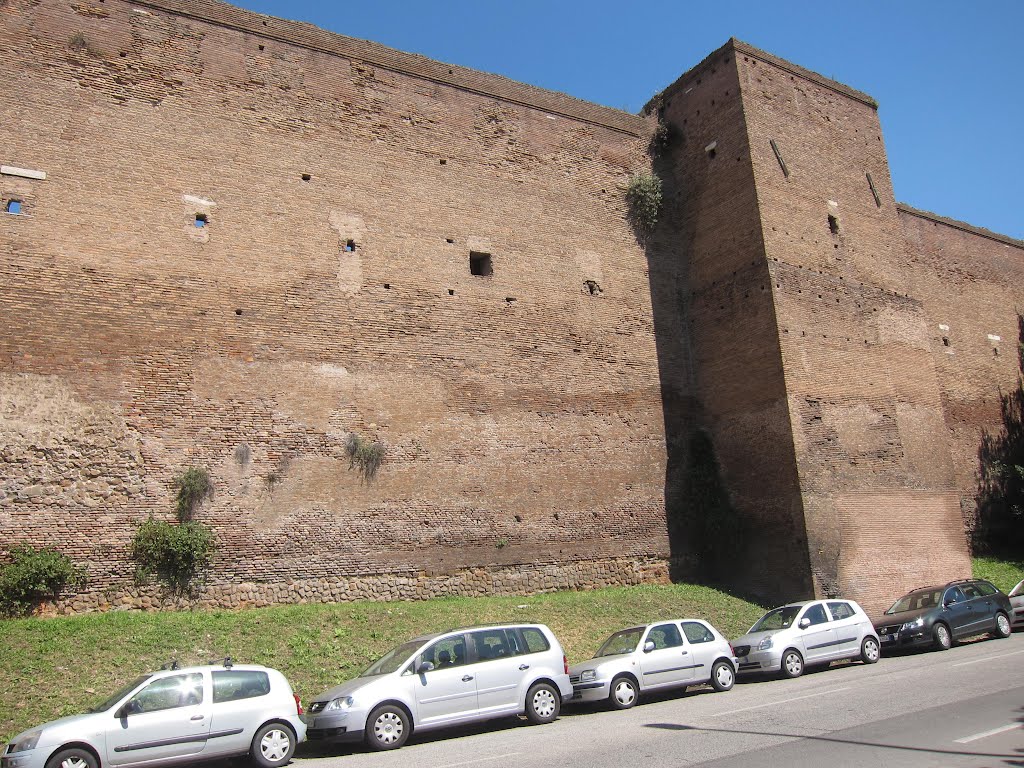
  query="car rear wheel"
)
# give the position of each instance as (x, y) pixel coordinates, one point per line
(1003, 628)
(722, 676)
(73, 758)
(273, 745)
(942, 638)
(387, 727)
(792, 664)
(542, 704)
(869, 650)
(623, 694)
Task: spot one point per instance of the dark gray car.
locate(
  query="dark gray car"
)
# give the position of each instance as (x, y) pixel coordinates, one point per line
(939, 615)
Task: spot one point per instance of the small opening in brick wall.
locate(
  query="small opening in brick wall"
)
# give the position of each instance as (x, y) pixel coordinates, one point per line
(238, 311)
(261, 48)
(711, 154)
(945, 341)
(592, 287)
(350, 246)
(387, 286)
(443, 161)
(833, 224)
(451, 291)
(510, 299)
(306, 177)
(480, 264)
(201, 220)
(13, 206)
(995, 351)
(449, 240)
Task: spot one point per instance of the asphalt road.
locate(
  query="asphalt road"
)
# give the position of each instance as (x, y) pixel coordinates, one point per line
(963, 707)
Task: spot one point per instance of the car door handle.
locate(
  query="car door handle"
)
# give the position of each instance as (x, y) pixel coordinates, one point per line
(197, 717)
(685, 652)
(523, 667)
(466, 678)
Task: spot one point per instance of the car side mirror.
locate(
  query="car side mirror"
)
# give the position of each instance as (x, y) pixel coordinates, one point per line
(426, 666)
(648, 646)
(130, 707)
(805, 623)
(949, 602)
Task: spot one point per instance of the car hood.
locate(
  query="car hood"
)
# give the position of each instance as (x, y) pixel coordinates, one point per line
(350, 687)
(901, 617)
(77, 725)
(599, 662)
(754, 638)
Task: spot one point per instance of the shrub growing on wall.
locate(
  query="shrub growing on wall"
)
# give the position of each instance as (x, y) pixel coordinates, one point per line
(364, 455)
(178, 555)
(34, 575)
(643, 193)
(193, 486)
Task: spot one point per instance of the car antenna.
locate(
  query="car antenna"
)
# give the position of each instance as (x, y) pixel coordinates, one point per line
(173, 664)
(228, 663)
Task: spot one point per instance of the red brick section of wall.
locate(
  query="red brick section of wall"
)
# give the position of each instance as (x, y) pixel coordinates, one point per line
(329, 291)
(971, 286)
(863, 393)
(714, 234)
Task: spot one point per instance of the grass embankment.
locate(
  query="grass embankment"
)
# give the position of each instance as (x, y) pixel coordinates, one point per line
(60, 666)
(1005, 574)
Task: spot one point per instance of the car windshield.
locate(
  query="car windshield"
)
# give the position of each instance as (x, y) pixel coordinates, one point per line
(393, 660)
(624, 641)
(104, 706)
(918, 600)
(780, 618)
(1018, 590)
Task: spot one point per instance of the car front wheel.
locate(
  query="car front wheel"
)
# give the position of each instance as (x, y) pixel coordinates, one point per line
(542, 704)
(722, 676)
(623, 694)
(387, 727)
(73, 758)
(792, 664)
(273, 745)
(1003, 628)
(869, 650)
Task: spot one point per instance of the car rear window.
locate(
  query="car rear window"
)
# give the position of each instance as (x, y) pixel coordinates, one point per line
(232, 685)
(985, 588)
(840, 610)
(535, 640)
(696, 632)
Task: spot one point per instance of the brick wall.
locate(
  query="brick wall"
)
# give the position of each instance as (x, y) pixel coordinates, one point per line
(521, 410)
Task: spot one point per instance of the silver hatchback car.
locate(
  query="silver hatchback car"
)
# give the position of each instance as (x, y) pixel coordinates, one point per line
(798, 635)
(173, 716)
(456, 677)
(661, 655)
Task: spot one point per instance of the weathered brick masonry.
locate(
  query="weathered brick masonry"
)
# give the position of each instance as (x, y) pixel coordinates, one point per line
(532, 416)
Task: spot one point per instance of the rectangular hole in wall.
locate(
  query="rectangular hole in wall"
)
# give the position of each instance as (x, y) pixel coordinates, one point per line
(13, 206)
(201, 220)
(480, 264)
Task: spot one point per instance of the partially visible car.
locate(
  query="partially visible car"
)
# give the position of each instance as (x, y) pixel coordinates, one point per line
(1017, 605)
(937, 616)
(173, 716)
(793, 637)
(446, 679)
(656, 656)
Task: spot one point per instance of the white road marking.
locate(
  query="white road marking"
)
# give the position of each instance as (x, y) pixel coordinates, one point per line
(781, 701)
(986, 734)
(481, 759)
(986, 659)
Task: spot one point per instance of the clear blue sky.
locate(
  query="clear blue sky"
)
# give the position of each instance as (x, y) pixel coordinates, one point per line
(948, 76)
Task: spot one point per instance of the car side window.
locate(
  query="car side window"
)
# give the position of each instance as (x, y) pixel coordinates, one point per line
(970, 591)
(697, 633)
(985, 588)
(446, 652)
(816, 614)
(953, 595)
(232, 685)
(494, 644)
(840, 611)
(665, 636)
(535, 640)
(168, 693)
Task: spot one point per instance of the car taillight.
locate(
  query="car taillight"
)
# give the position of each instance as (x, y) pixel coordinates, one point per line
(298, 704)
(732, 651)
(565, 664)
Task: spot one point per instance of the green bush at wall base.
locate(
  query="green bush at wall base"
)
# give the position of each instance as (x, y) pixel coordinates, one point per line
(34, 575)
(176, 555)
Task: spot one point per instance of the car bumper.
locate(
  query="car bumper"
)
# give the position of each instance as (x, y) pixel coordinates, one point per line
(589, 692)
(29, 758)
(1017, 619)
(336, 726)
(905, 638)
(759, 662)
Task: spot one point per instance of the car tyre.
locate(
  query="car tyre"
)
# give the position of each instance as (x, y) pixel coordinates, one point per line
(387, 727)
(869, 650)
(1003, 628)
(543, 702)
(792, 664)
(272, 746)
(943, 640)
(623, 693)
(722, 676)
(73, 758)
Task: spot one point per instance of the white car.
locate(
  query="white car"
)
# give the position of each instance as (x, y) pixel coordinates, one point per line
(1017, 603)
(173, 716)
(790, 638)
(447, 679)
(664, 654)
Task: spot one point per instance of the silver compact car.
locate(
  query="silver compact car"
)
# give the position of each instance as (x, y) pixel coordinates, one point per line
(173, 716)
(1017, 604)
(664, 654)
(456, 677)
(798, 635)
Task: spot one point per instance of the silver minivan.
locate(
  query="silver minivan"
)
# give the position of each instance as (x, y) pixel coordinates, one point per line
(455, 677)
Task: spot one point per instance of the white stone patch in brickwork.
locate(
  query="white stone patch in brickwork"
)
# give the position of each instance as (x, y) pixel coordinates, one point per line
(198, 201)
(27, 173)
(943, 327)
(350, 263)
(993, 337)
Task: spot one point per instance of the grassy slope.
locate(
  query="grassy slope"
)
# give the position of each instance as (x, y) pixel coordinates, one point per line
(60, 666)
(1003, 573)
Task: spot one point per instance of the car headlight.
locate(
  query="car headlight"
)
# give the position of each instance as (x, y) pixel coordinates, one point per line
(765, 644)
(915, 624)
(26, 742)
(587, 675)
(343, 702)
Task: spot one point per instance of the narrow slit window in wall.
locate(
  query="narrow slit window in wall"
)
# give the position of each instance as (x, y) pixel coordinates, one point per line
(480, 264)
(201, 220)
(874, 192)
(13, 206)
(778, 156)
(833, 224)
(350, 246)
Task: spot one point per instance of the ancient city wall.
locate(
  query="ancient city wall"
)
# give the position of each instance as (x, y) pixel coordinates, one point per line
(346, 195)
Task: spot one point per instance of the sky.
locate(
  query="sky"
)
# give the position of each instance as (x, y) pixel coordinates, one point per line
(948, 76)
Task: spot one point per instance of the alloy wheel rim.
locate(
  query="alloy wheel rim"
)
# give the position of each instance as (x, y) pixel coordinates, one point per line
(388, 728)
(1004, 624)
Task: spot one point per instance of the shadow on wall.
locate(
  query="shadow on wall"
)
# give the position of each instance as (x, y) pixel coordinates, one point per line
(999, 528)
